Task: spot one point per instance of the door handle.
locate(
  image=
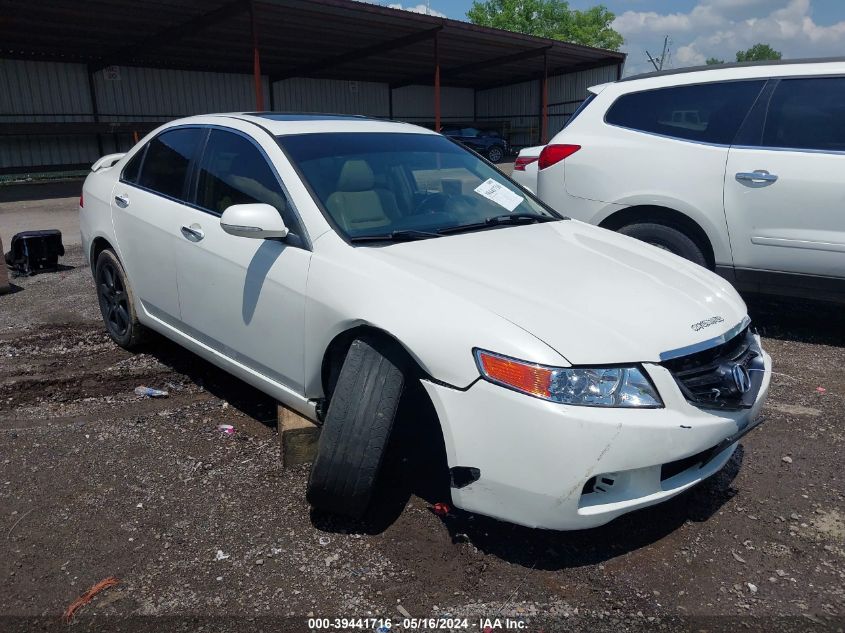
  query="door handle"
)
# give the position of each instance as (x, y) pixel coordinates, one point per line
(122, 201)
(758, 176)
(192, 233)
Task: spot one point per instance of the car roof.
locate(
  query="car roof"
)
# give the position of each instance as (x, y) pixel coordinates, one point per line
(287, 123)
(739, 70)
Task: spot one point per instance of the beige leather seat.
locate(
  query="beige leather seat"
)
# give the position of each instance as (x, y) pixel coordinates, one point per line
(357, 204)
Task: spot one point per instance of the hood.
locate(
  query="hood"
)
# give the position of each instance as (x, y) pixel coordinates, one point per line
(594, 296)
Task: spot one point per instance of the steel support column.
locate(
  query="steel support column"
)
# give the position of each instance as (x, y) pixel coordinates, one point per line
(256, 61)
(437, 82)
(95, 110)
(544, 102)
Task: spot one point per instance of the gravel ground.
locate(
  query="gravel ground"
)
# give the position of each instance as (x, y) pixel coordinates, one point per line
(205, 531)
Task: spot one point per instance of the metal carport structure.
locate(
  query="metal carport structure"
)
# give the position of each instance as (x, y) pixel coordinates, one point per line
(274, 41)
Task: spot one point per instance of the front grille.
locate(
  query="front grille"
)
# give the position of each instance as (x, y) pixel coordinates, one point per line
(706, 378)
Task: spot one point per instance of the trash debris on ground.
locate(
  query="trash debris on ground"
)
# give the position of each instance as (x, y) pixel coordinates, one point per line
(221, 555)
(149, 392)
(85, 598)
(441, 509)
(228, 429)
(821, 390)
(325, 540)
(35, 251)
(786, 459)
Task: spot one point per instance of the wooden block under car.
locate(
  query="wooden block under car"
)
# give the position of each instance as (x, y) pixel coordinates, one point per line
(4, 272)
(297, 436)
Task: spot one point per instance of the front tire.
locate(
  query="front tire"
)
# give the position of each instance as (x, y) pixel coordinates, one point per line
(668, 238)
(117, 303)
(356, 430)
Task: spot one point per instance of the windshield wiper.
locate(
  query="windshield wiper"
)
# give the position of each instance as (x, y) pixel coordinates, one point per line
(499, 220)
(402, 235)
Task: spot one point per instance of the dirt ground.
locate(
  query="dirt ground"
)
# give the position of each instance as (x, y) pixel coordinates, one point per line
(205, 531)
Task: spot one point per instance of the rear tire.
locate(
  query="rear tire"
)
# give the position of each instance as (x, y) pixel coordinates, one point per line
(495, 154)
(356, 430)
(668, 238)
(117, 303)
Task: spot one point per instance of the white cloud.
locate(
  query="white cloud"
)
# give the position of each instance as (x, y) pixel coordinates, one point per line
(719, 28)
(418, 8)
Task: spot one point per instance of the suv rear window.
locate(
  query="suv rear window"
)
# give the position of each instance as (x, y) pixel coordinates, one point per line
(709, 113)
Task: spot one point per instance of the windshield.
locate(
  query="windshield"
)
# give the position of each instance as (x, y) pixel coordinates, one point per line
(387, 184)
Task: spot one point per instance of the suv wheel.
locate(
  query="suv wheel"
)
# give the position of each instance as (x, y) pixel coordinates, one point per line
(495, 154)
(668, 238)
(356, 430)
(117, 302)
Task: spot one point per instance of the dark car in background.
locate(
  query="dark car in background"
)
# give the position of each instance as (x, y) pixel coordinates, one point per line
(488, 143)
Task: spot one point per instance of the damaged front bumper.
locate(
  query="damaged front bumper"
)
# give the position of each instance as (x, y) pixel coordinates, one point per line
(547, 465)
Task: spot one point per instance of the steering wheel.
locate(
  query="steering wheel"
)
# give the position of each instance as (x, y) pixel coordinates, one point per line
(432, 203)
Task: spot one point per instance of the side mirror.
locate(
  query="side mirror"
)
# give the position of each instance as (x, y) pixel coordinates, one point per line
(259, 221)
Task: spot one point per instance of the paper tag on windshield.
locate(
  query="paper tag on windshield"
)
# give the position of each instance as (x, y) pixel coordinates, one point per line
(499, 194)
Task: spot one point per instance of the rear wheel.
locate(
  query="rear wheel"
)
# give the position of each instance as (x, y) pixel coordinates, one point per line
(356, 430)
(495, 154)
(117, 302)
(668, 238)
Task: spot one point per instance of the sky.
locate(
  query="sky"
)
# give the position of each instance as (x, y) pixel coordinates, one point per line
(699, 29)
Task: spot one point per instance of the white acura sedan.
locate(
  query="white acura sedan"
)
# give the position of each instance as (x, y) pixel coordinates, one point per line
(330, 261)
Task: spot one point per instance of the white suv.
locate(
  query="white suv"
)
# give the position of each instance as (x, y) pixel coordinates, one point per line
(738, 168)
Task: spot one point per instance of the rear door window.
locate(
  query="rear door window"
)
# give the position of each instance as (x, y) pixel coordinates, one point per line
(807, 114)
(167, 160)
(709, 113)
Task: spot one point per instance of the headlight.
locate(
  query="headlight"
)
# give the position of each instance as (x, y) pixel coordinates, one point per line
(581, 386)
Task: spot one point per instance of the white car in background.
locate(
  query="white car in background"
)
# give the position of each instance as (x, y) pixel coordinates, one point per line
(525, 167)
(338, 262)
(737, 167)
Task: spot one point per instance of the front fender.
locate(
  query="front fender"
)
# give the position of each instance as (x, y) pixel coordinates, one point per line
(347, 289)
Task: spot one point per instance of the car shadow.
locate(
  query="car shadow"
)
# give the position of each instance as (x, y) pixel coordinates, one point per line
(266, 255)
(553, 550)
(221, 384)
(799, 320)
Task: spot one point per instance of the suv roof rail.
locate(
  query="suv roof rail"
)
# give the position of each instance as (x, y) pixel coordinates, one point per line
(695, 69)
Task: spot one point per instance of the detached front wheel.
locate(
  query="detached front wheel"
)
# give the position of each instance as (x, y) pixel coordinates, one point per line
(116, 302)
(356, 430)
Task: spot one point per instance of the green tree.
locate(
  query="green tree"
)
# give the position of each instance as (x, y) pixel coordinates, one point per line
(712, 61)
(549, 18)
(758, 53)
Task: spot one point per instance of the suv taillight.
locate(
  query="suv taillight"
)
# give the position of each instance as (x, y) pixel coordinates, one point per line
(523, 161)
(553, 154)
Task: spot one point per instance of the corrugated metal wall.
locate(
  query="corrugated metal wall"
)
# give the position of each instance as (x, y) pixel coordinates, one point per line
(152, 93)
(50, 91)
(517, 107)
(332, 95)
(416, 104)
(570, 90)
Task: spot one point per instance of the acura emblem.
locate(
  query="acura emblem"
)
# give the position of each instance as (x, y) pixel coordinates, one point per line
(742, 379)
